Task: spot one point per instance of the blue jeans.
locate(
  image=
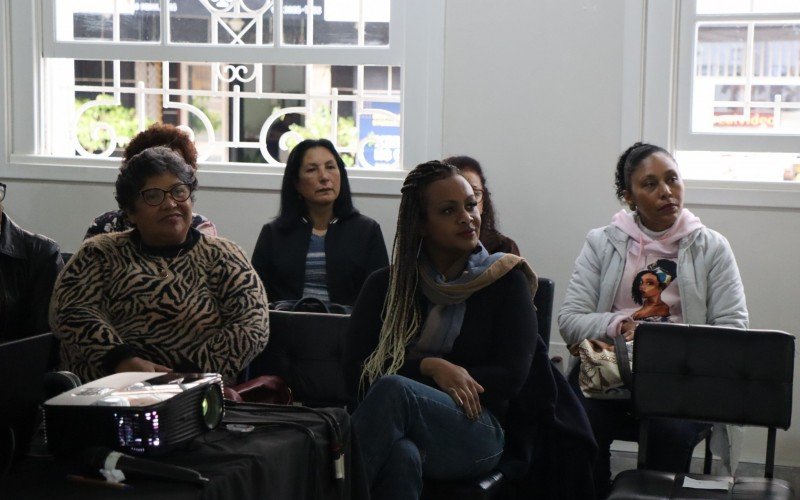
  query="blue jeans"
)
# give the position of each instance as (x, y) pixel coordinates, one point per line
(408, 430)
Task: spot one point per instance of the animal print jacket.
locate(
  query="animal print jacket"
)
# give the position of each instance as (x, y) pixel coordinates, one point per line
(204, 309)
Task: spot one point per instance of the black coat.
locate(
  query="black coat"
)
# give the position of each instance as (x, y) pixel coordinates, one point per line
(354, 248)
(29, 265)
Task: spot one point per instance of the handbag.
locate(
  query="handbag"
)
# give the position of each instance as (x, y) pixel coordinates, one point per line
(310, 304)
(605, 369)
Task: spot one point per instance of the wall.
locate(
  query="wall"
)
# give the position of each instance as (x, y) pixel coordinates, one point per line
(533, 89)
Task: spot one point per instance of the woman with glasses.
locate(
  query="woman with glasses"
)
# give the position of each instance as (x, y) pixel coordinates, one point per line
(319, 245)
(29, 264)
(491, 237)
(158, 134)
(163, 296)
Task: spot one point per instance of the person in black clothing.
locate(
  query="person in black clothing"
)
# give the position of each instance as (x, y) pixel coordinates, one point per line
(439, 342)
(29, 265)
(319, 245)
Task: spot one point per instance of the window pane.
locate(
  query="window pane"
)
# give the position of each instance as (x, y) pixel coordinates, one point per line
(250, 113)
(776, 93)
(720, 50)
(223, 22)
(138, 21)
(336, 22)
(739, 166)
(747, 6)
(776, 50)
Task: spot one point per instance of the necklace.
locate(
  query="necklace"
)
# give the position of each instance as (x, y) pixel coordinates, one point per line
(164, 271)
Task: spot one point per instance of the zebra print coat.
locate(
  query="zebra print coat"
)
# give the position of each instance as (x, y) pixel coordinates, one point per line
(208, 311)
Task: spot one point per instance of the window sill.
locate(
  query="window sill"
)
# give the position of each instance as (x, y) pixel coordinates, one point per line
(210, 175)
(743, 194)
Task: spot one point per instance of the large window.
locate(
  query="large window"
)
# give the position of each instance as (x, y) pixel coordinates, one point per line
(718, 83)
(248, 112)
(738, 110)
(247, 79)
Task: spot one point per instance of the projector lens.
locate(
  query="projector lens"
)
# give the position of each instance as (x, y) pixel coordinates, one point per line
(212, 407)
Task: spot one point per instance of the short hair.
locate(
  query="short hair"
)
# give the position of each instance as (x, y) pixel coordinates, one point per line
(134, 172)
(663, 269)
(293, 206)
(163, 134)
(629, 161)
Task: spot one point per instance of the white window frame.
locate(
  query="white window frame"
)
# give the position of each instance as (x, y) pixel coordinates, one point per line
(651, 105)
(419, 24)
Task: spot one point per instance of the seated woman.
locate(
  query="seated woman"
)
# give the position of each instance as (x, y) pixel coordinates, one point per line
(158, 134)
(442, 340)
(491, 238)
(29, 265)
(319, 245)
(655, 263)
(163, 296)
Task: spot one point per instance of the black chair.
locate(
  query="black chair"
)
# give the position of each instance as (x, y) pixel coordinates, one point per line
(492, 485)
(712, 374)
(65, 256)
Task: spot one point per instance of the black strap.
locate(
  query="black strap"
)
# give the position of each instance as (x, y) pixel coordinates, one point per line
(310, 303)
(623, 362)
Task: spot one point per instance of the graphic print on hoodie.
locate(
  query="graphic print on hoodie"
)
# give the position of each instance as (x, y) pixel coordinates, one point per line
(649, 288)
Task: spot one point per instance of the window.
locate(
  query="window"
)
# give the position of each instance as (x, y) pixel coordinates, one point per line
(247, 78)
(721, 87)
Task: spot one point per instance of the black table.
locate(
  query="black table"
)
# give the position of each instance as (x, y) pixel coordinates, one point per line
(273, 461)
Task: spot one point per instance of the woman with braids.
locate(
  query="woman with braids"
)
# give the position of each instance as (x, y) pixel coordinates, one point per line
(656, 262)
(439, 342)
(491, 238)
(158, 134)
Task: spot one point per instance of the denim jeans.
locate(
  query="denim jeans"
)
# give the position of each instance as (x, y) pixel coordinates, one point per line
(670, 441)
(408, 430)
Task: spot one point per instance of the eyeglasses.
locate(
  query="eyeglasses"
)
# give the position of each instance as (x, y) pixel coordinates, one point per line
(155, 196)
(478, 194)
(2, 191)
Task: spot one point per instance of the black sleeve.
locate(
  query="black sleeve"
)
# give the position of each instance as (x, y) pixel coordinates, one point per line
(262, 256)
(515, 334)
(365, 329)
(45, 267)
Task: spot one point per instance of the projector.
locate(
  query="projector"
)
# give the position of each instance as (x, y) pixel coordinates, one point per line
(136, 412)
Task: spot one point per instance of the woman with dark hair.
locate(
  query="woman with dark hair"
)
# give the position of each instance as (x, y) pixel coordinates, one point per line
(659, 241)
(319, 245)
(162, 296)
(491, 237)
(439, 342)
(158, 134)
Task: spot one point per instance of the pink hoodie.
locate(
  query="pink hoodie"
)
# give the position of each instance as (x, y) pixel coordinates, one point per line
(644, 251)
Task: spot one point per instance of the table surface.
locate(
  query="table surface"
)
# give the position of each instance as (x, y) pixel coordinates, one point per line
(273, 461)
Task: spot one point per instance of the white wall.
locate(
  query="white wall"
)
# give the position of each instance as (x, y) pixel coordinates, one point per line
(533, 90)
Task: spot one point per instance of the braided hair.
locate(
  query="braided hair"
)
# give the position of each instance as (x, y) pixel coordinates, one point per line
(630, 161)
(401, 312)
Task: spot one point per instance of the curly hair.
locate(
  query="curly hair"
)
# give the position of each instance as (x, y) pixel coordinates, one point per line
(629, 161)
(401, 312)
(162, 134)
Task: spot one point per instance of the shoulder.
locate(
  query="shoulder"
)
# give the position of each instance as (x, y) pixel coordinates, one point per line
(360, 221)
(514, 281)
(378, 280)
(36, 245)
(217, 246)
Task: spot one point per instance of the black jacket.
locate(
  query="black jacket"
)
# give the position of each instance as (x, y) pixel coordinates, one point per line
(29, 265)
(354, 248)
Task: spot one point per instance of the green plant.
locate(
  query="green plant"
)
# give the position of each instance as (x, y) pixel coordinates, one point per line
(318, 125)
(120, 118)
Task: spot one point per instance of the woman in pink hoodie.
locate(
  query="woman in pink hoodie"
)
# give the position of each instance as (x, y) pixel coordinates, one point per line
(697, 282)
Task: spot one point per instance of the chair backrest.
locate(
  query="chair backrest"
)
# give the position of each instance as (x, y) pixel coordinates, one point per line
(306, 349)
(713, 374)
(65, 256)
(543, 300)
